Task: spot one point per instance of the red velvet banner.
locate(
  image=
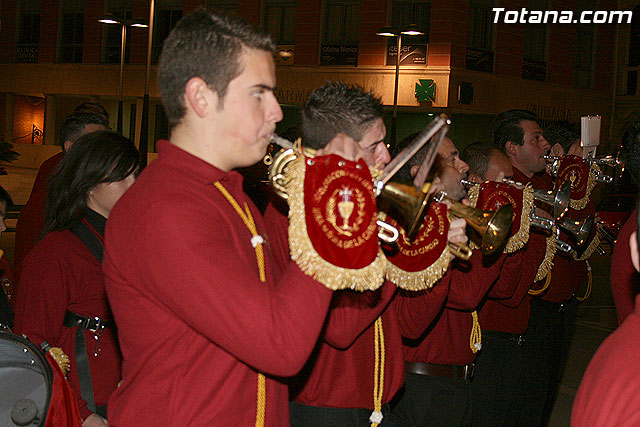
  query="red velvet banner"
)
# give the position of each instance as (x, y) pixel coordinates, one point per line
(427, 247)
(493, 195)
(575, 170)
(341, 211)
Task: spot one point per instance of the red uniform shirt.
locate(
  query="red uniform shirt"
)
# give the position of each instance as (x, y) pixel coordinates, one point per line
(195, 322)
(62, 274)
(609, 394)
(340, 372)
(447, 340)
(512, 314)
(567, 275)
(31, 219)
(625, 280)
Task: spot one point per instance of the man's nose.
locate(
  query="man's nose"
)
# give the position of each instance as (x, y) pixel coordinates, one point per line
(462, 166)
(544, 144)
(382, 154)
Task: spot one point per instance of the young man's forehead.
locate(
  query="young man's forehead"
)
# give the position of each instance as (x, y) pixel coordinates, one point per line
(530, 126)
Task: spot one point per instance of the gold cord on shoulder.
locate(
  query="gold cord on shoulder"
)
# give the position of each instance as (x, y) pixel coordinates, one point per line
(247, 218)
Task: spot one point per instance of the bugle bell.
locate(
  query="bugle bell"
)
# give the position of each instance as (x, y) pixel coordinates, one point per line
(493, 227)
(558, 199)
(578, 230)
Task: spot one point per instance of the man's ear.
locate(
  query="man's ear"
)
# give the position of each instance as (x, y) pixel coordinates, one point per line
(66, 145)
(414, 170)
(633, 246)
(510, 149)
(556, 150)
(199, 97)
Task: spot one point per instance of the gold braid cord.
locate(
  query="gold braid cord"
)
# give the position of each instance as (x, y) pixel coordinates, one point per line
(256, 242)
(378, 374)
(417, 280)
(518, 240)
(303, 253)
(595, 242)
(587, 293)
(591, 183)
(475, 340)
(61, 358)
(547, 263)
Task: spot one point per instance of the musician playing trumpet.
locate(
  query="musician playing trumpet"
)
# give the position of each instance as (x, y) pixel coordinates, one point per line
(440, 364)
(553, 313)
(503, 320)
(357, 366)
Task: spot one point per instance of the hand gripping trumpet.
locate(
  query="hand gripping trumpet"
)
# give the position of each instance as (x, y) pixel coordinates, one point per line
(492, 226)
(412, 204)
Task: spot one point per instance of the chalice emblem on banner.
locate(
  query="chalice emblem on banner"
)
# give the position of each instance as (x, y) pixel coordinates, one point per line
(345, 207)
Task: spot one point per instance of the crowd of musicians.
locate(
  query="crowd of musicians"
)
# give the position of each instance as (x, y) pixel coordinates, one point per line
(191, 298)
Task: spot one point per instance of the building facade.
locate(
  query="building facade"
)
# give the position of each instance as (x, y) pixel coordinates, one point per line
(55, 54)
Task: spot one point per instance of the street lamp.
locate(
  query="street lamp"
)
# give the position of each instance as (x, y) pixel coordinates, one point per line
(411, 30)
(124, 23)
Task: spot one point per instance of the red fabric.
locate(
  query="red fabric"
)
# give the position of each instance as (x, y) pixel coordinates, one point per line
(349, 241)
(63, 409)
(195, 322)
(567, 275)
(60, 274)
(340, 371)
(493, 195)
(447, 341)
(428, 245)
(576, 170)
(625, 280)
(31, 219)
(512, 314)
(609, 394)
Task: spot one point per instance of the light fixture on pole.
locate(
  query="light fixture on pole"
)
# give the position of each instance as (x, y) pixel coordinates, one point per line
(144, 128)
(411, 30)
(124, 23)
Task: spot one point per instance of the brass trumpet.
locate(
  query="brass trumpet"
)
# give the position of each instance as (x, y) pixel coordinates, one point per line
(411, 203)
(493, 227)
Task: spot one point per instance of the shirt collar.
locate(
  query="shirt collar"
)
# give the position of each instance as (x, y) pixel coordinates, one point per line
(196, 167)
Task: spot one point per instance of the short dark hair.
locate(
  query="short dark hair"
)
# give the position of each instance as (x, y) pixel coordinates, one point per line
(5, 197)
(404, 174)
(507, 127)
(631, 151)
(338, 108)
(205, 45)
(564, 133)
(478, 156)
(92, 107)
(73, 125)
(96, 157)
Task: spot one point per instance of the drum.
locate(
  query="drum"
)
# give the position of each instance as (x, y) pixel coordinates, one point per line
(26, 381)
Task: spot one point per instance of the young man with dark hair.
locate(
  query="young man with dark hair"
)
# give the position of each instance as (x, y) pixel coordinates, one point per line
(498, 367)
(31, 218)
(336, 387)
(203, 311)
(553, 311)
(564, 138)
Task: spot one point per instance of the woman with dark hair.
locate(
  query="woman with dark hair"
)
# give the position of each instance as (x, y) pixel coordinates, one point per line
(61, 298)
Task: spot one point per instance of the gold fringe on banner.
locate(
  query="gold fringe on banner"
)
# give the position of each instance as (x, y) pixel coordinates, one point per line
(547, 263)
(591, 183)
(595, 242)
(303, 253)
(518, 240)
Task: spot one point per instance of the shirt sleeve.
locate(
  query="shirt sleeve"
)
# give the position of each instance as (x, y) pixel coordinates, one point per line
(278, 321)
(470, 281)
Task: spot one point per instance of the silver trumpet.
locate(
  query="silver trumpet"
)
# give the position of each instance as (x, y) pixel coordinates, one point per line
(614, 162)
(559, 199)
